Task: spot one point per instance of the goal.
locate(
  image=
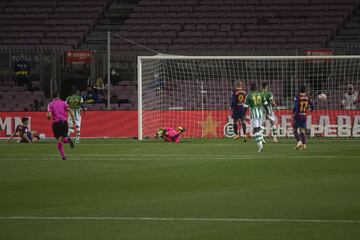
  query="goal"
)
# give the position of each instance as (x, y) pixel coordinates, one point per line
(195, 92)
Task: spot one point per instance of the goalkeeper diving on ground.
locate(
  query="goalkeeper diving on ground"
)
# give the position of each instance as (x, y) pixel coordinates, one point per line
(170, 134)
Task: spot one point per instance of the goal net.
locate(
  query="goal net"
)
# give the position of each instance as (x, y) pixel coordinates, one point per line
(194, 92)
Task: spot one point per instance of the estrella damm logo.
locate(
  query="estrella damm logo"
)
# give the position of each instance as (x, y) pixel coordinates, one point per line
(229, 128)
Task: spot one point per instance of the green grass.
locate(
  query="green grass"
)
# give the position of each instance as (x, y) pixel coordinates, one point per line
(110, 186)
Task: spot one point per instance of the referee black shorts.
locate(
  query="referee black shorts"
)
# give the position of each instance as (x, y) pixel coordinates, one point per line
(60, 129)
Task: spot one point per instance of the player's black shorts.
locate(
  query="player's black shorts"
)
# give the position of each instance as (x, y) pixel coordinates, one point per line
(238, 113)
(60, 129)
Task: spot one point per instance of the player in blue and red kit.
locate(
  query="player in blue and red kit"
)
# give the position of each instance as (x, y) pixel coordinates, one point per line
(238, 110)
(301, 105)
(26, 136)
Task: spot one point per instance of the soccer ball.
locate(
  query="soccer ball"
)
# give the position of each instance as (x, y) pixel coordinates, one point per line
(42, 136)
(322, 97)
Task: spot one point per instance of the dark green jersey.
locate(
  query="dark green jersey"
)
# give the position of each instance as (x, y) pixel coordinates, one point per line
(75, 102)
(268, 96)
(255, 101)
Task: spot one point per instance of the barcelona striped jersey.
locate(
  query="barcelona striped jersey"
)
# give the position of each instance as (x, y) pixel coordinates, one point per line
(302, 103)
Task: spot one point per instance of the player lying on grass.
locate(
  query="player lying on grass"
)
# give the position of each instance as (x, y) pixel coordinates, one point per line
(301, 105)
(26, 135)
(170, 134)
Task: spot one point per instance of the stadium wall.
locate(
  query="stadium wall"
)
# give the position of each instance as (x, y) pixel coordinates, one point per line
(215, 124)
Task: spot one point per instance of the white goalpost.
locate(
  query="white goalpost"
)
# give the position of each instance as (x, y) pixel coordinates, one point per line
(195, 92)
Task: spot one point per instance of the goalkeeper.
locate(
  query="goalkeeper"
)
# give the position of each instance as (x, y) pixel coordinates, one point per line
(170, 134)
(76, 103)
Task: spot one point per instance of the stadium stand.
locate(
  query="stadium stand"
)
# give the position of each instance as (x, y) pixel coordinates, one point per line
(169, 26)
(229, 24)
(348, 37)
(48, 24)
(16, 98)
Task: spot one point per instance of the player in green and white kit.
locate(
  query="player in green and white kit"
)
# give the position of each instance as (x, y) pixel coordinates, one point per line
(255, 101)
(76, 103)
(268, 109)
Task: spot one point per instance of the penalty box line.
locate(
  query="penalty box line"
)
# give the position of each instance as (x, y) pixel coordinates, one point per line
(174, 219)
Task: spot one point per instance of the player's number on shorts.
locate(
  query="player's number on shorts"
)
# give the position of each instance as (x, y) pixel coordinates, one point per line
(303, 106)
(256, 100)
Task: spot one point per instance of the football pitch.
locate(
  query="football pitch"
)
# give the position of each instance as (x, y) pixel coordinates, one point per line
(197, 189)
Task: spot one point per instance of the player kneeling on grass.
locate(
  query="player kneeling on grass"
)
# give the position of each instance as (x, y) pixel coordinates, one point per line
(26, 135)
(170, 134)
(301, 105)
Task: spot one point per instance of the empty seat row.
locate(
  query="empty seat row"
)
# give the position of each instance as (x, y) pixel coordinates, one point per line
(48, 23)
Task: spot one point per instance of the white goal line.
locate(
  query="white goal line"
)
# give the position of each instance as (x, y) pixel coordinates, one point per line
(174, 219)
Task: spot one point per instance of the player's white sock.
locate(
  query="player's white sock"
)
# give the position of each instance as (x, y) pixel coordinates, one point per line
(260, 145)
(77, 133)
(262, 129)
(273, 129)
(70, 131)
(259, 140)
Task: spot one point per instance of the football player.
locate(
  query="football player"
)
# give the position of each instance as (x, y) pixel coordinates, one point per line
(238, 110)
(255, 101)
(26, 135)
(170, 134)
(302, 104)
(268, 109)
(76, 103)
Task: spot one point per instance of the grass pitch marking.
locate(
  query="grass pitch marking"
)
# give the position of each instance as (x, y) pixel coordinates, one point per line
(149, 157)
(174, 219)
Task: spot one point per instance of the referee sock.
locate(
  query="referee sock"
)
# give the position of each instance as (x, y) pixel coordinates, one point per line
(61, 149)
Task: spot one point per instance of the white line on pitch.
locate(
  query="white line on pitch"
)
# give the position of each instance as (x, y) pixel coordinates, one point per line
(271, 220)
(211, 156)
(158, 158)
